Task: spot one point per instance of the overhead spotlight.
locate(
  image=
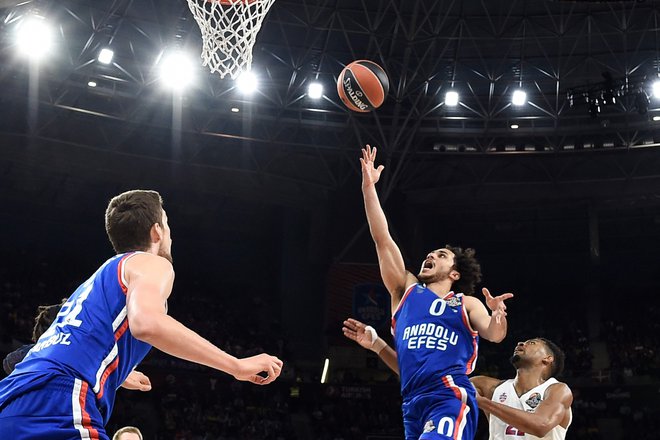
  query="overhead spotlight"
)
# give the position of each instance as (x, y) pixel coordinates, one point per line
(519, 98)
(34, 37)
(514, 126)
(656, 89)
(642, 103)
(315, 90)
(451, 98)
(91, 83)
(656, 118)
(235, 109)
(177, 70)
(105, 56)
(247, 82)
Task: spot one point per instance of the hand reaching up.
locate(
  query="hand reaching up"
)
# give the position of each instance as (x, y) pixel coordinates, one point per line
(496, 304)
(370, 174)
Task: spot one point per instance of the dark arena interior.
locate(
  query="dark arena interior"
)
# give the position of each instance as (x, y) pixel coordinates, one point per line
(560, 195)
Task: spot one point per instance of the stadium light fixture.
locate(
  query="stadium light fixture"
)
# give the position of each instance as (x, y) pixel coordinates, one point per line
(315, 90)
(177, 71)
(519, 97)
(451, 98)
(105, 56)
(247, 82)
(656, 88)
(34, 37)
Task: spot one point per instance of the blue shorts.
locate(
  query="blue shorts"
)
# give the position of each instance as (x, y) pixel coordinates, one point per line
(447, 413)
(60, 408)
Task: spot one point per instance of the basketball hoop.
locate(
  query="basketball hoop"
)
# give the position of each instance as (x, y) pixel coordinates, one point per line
(229, 29)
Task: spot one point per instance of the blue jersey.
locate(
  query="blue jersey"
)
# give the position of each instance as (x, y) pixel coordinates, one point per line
(433, 340)
(89, 341)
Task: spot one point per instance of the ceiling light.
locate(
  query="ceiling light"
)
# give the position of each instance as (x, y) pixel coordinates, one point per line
(519, 98)
(235, 110)
(105, 56)
(656, 89)
(247, 82)
(91, 83)
(177, 70)
(656, 118)
(315, 90)
(451, 98)
(34, 37)
(514, 126)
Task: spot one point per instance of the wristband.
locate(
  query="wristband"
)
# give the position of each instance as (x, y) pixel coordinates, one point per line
(378, 344)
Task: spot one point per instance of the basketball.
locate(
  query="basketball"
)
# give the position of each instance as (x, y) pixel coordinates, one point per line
(363, 86)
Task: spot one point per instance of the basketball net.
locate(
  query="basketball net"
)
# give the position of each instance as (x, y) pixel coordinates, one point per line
(229, 30)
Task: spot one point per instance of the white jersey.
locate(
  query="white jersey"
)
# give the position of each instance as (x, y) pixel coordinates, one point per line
(506, 394)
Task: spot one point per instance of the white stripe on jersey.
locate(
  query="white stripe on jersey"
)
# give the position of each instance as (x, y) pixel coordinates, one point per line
(119, 319)
(77, 410)
(461, 426)
(107, 361)
(113, 353)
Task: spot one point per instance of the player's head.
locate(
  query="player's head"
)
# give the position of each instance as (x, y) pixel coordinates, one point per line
(136, 221)
(127, 433)
(539, 351)
(454, 263)
(45, 317)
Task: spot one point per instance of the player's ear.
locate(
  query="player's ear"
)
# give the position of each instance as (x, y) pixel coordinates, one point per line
(548, 360)
(454, 275)
(156, 232)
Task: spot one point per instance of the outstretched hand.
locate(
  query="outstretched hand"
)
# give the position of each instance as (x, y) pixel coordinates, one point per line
(356, 331)
(496, 304)
(250, 369)
(370, 174)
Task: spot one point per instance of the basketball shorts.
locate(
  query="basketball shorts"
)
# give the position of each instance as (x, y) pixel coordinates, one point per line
(449, 412)
(60, 408)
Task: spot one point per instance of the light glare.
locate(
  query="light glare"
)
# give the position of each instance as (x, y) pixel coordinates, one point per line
(177, 71)
(105, 56)
(656, 89)
(519, 97)
(324, 375)
(247, 82)
(91, 83)
(34, 37)
(451, 98)
(315, 90)
(514, 126)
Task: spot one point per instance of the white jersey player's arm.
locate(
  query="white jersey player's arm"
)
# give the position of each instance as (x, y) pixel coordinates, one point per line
(551, 412)
(150, 279)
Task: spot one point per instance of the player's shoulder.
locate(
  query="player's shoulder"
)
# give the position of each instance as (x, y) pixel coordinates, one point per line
(559, 389)
(140, 262)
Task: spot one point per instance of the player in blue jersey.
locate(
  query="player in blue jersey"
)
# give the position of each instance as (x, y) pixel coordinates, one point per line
(436, 329)
(65, 386)
(532, 405)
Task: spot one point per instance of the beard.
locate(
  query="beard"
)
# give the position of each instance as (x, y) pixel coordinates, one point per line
(515, 360)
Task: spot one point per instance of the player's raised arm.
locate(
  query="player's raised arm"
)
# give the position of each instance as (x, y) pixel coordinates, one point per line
(550, 412)
(390, 260)
(150, 279)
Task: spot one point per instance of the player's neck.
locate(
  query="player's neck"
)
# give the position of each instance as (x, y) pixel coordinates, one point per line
(527, 378)
(440, 288)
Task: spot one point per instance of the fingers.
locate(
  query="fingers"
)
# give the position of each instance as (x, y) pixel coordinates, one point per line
(505, 296)
(486, 293)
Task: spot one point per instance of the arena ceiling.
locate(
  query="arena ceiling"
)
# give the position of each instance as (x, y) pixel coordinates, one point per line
(284, 148)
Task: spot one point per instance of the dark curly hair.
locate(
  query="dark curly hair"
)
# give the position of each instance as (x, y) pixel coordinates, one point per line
(469, 268)
(557, 367)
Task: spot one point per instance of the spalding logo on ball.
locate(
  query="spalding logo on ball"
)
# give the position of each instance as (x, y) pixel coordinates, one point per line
(363, 86)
